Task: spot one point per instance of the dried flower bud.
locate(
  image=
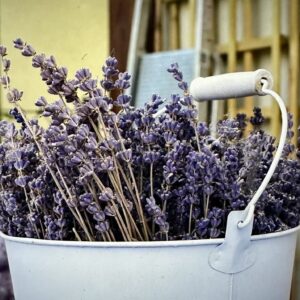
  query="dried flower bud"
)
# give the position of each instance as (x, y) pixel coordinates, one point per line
(88, 85)
(28, 51)
(21, 181)
(53, 90)
(21, 164)
(14, 95)
(125, 155)
(50, 62)
(102, 226)
(6, 65)
(106, 195)
(18, 43)
(111, 61)
(107, 164)
(123, 100)
(92, 208)
(123, 81)
(38, 60)
(68, 88)
(83, 74)
(41, 102)
(5, 80)
(3, 51)
(99, 216)
(85, 199)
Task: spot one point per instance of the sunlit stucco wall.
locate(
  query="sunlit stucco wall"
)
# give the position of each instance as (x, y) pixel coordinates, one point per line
(74, 31)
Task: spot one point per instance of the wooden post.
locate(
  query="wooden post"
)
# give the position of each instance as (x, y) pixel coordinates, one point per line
(276, 65)
(248, 55)
(120, 13)
(294, 64)
(293, 97)
(232, 104)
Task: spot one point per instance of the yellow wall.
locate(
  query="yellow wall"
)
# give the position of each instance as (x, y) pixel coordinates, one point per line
(74, 31)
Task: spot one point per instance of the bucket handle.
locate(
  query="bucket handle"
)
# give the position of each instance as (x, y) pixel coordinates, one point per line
(235, 254)
(242, 84)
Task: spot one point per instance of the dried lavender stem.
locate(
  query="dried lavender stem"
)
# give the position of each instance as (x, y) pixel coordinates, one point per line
(37, 209)
(100, 121)
(133, 223)
(100, 138)
(139, 206)
(151, 179)
(135, 228)
(206, 206)
(190, 218)
(47, 165)
(84, 227)
(76, 234)
(102, 188)
(165, 206)
(139, 203)
(121, 195)
(34, 225)
(127, 183)
(88, 222)
(121, 229)
(99, 182)
(108, 236)
(26, 196)
(103, 237)
(141, 179)
(121, 221)
(197, 137)
(117, 175)
(111, 234)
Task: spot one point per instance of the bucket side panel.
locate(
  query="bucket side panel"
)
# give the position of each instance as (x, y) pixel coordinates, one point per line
(41, 272)
(271, 276)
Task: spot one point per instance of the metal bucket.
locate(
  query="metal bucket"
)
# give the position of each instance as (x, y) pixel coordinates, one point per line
(175, 270)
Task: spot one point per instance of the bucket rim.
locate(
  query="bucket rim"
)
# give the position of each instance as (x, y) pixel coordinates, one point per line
(151, 244)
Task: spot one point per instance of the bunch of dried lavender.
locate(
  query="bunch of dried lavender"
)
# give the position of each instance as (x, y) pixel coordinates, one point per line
(106, 171)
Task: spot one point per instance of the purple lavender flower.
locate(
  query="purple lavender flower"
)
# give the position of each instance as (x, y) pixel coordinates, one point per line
(102, 165)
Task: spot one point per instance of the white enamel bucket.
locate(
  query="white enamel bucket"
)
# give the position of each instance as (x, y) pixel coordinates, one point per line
(174, 270)
(238, 267)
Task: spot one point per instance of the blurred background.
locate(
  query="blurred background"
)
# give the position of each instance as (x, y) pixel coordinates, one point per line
(205, 37)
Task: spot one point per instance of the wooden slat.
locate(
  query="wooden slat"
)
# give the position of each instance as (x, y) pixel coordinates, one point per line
(158, 26)
(276, 64)
(232, 60)
(192, 9)
(248, 55)
(294, 63)
(174, 26)
(251, 44)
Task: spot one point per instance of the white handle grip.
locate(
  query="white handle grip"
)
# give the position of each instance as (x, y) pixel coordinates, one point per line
(230, 85)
